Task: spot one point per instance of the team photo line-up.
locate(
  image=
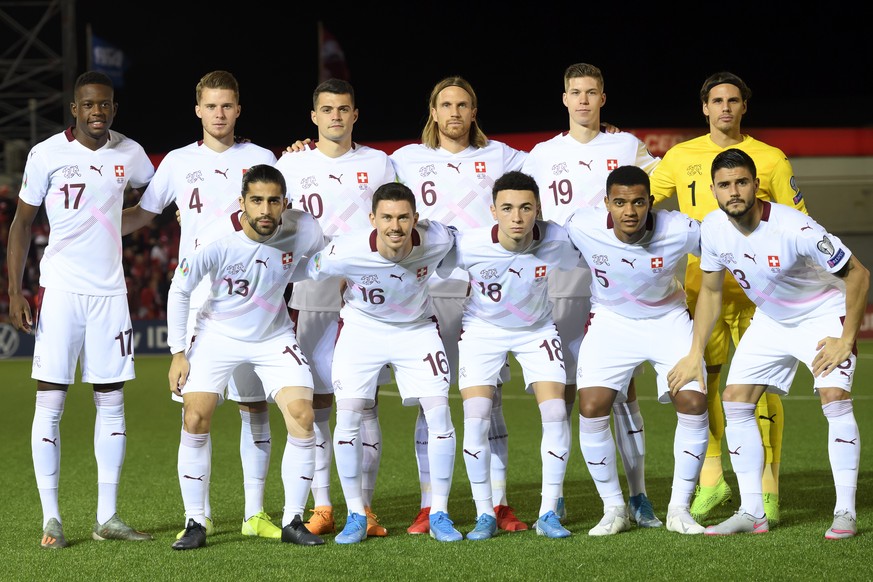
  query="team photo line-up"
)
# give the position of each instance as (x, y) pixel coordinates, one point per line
(466, 251)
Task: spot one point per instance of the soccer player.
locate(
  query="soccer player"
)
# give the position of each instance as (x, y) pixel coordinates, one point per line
(451, 173)
(244, 321)
(80, 175)
(684, 172)
(203, 179)
(385, 269)
(571, 169)
(508, 311)
(810, 293)
(333, 179)
(638, 314)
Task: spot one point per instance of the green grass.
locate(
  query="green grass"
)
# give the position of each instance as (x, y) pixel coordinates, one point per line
(149, 499)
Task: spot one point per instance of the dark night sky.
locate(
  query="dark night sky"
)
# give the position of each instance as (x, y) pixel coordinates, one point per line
(804, 71)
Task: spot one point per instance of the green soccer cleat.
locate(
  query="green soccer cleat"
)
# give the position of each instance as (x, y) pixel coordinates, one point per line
(115, 529)
(53, 535)
(708, 498)
(771, 507)
(260, 525)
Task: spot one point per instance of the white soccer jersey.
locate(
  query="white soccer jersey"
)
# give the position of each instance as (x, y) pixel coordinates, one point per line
(785, 266)
(509, 288)
(83, 192)
(635, 280)
(247, 281)
(572, 175)
(455, 189)
(205, 185)
(338, 192)
(378, 288)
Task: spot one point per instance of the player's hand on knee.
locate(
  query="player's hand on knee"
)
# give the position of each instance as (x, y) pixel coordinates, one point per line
(687, 369)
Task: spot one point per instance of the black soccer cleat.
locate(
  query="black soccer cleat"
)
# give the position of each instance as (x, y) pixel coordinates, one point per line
(193, 538)
(296, 533)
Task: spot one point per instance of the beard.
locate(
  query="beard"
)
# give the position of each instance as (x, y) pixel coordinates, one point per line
(260, 229)
(735, 211)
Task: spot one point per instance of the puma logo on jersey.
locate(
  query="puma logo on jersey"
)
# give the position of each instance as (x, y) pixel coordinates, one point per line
(802, 228)
(517, 273)
(631, 263)
(224, 173)
(260, 262)
(588, 165)
(196, 243)
(454, 167)
(751, 257)
(98, 170)
(393, 276)
(332, 248)
(337, 178)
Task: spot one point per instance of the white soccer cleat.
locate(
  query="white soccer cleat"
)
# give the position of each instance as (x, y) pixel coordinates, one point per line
(615, 520)
(680, 521)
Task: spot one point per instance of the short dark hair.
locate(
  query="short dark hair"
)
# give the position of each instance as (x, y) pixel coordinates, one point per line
(335, 86)
(394, 191)
(628, 176)
(733, 158)
(263, 173)
(721, 78)
(515, 181)
(93, 78)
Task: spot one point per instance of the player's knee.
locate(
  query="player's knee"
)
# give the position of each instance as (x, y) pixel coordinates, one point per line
(299, 419)
(690, 402)
(197, 420)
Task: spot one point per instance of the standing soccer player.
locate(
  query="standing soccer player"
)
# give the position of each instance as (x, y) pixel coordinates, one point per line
(684, 172)
(571, 169)
(638, 314)
(244, 321)
(81, 176)
(508, 311)
(386, 269)
(810, 293)
(333, 179)
(451, 173)
(203, 180)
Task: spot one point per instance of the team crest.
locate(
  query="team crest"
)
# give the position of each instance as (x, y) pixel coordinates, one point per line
(421, 273)
(611, 164)
(363, 178)
(287, 260)
(773, 262)
(657, 264)
(540, 272)
(119, 174)
(480, 167)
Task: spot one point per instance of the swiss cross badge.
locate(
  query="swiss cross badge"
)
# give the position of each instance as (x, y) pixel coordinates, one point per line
(479, 167)
(611, 164)
(657, 263)
(540, 272)
(363, 178)
(287, 258)
(119, 171)
(421, 273)
(773, 261)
